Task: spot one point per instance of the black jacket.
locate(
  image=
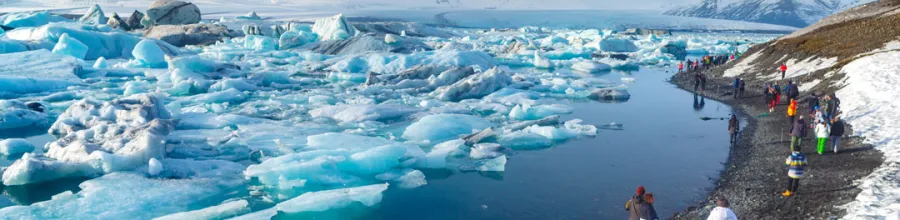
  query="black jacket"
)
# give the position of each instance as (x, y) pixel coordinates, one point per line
(837, 128)
(799, 128)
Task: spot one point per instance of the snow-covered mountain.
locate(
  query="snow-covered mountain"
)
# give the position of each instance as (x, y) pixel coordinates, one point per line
(797, 13)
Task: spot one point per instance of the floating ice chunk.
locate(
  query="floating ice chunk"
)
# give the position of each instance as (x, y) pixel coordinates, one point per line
(575, 126)
(493, 165)
(29, 19)
(70, 46)
(15, 114)
(613, 44)
(487, 150)
(149, 54)
(15, 146)
(552, 133)
(292, 39)
(225, 210)
(360, 113)
(101, 63)
(250, 16)
(155, 167)
(541, 62)
(591, 67)
(334, 28)
(437, 157)
(228, 96)
(97, 139)
(37, 71)
(321, 100)
(442, 127)
(125, 195)
(406, 179)
(236, 84)
(551, 40)
(610, 94)
(100, 43)
(263, 214)
(374, 160)
(474, 86)
(394, 63)
(391, 39)
(523, 140)
(94, 15)
(528, 112)
(260, 43)
(333, 199)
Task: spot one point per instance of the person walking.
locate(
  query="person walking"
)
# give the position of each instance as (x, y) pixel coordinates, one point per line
(741, 95)
(773, 97)
(736, 85)
(647, 210)
(821, 136)
(837, 131)
(634, 205)
(793, 91)
(813, 102)
(798, 131)
(777, 93)
(722, 212)
(783, 69)
(830, 108)
(680, 67)
(733, 127)
(792, 112)
(796, 163)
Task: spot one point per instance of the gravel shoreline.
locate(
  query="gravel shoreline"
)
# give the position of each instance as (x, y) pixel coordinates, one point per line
(755, 174)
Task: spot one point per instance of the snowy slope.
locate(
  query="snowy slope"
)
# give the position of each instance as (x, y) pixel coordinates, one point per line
(797, 13)
(872, 82)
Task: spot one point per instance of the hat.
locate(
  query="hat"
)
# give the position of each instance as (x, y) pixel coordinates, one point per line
(640, 190)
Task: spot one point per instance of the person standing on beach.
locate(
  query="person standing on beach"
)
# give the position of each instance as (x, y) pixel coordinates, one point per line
(736, 85)
(783, 69)
(741, 95)
(796, 162)
(647, 210)
(792, 112)
(821, 136)
(837, 131)
(733, 127)
(722, 212)
(634, 205)
(797, 133)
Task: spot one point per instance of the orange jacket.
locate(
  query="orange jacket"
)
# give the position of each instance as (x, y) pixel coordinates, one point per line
(792, 109)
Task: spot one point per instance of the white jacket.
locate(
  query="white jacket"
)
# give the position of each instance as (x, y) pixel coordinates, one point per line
(821, 131)
(721, 213)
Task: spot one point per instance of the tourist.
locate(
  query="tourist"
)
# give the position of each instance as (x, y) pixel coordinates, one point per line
(647, 210)
(821, 136)
(722, 212)
(772, 96)
(783, 69)
(733, 127)
(813, 102)
(792, 112)
(777, 93)
(793, 91)
(736, 85)
(837, 131)
(796, 162)
(741, 95)
(798, 131)
(680, 67)
(634, 205)
(827, 107)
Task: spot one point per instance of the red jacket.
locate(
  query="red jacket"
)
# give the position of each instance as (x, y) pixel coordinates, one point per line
(783, 67)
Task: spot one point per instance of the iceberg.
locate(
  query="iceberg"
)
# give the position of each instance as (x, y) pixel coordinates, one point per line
(250, 16)
(98, 138)
(101, 63)
(16, 114)
(99, 42)
(292, 39)
(360, 113)
(94, 15)
(334, 28)
(493, 165)
(474, 86)
(528, 112)
(225, 210)
(333, 199)
(155, 167)
(405, 179)
(394, 63)
(260, 43)
(591, 67)
(613, 44)
(610, 94)
(541, 62)
(442, 127)
(70, 46)
(437, 157)
(37, 71)
(29, 19)
(15, 146)
(523, 140)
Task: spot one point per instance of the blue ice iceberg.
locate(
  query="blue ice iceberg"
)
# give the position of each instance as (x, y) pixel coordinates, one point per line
(37, 71)
(149, 54)
(334, 28)
(29, 19)
(15, 146)
(441, 127)
(70, 46)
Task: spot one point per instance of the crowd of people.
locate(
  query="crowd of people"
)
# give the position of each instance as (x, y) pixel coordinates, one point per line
(824, 121)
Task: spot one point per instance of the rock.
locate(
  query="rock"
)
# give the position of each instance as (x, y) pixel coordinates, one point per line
(173, 12)
(610, 94)
(134, 21)
(146, 21)
(94, 15)
(192, 34)
(116, 22)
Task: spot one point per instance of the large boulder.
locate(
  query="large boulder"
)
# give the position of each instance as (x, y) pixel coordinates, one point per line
(134, 21)
(173, 12)
(192, 34)
(117, 22)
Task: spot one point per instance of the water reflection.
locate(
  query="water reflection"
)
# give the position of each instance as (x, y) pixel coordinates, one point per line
(699, 102)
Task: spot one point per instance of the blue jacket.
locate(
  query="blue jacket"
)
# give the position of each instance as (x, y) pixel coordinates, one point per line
(796, 162)
(737, 83)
